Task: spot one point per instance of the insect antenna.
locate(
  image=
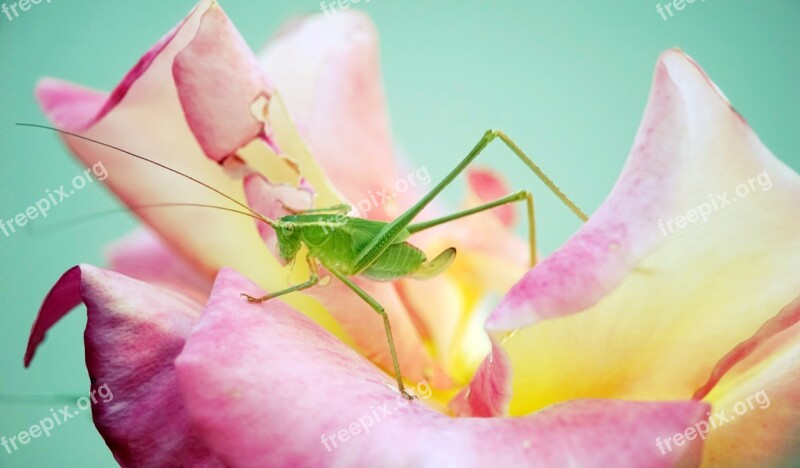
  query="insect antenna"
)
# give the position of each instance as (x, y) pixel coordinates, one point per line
(46, 399)
(254, 213)
(133, 209)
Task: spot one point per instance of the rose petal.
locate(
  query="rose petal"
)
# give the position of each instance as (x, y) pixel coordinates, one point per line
(272, 201)
(490, 391)
(75, 108)
(133, 334)
(151, 121)
(366, 328)
(279, 388)
(786, 318)
(151, 108)
(657, 312)
(218, 80)
(327, 70)
(756, 404)
(487, 186)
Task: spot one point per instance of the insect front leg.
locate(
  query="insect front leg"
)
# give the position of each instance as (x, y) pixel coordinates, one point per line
(312, 281)
(343, 208)
(382, 312)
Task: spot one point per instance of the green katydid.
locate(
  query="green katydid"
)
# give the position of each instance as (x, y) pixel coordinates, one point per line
(349, 246)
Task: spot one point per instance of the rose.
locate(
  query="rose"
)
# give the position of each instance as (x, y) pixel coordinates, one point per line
(611, 326)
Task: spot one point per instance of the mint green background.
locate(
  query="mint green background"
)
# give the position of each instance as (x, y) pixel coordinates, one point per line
(567, 79)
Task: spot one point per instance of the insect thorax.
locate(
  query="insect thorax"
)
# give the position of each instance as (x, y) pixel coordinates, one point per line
(337, 240)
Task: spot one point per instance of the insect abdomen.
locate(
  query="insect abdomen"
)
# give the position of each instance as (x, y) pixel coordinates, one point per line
(397, 261)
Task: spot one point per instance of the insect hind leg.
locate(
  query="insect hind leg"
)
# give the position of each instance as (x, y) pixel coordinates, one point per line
(522, 195)
(382, 312)
(382, 240)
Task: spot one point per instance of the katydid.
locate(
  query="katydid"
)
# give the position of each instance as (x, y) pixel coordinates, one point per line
(348, 246)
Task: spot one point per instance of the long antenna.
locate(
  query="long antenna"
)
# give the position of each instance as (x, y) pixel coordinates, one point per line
(116, 148)
(113, 211)
(9, 399)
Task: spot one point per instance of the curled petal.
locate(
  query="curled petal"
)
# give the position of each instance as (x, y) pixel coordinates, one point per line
(490, 390)
(756, 397)
(218, 80)
(150, 121)
(133, 334)
(77, 109)
(698, 239)
(785, 319)
(689, 131)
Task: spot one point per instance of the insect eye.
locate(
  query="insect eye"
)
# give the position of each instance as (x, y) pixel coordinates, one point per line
(288, 228)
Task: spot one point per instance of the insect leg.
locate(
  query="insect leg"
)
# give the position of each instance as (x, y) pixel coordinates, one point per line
(382, 312)
(540, 174)
(383, 239)
(514, 197)
(343, 208)
(313, 280)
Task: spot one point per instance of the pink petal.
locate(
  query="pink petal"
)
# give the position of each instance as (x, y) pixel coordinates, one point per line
(688, 133)
(133, 334)
(785, 319)
(144, 256)
(277, 387)
(218, 80)
(633, 313)
(489, 233)
(488, 186)
(490, 390)
(75, 108)
(757, 388)
(366, 329)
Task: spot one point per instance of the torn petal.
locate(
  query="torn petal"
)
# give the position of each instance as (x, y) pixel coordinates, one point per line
(218, 81)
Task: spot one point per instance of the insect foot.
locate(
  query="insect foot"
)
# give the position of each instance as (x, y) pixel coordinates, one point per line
(254, 300)
(408, 396)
